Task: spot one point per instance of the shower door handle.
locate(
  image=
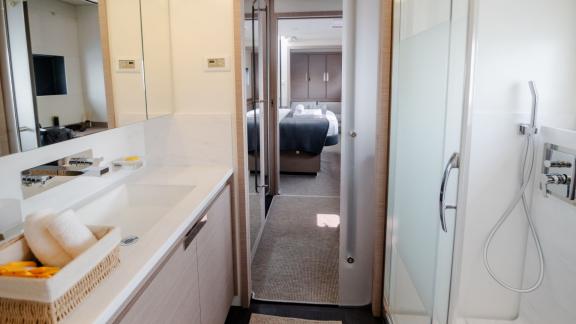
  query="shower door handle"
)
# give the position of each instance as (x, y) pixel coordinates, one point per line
(453, 163)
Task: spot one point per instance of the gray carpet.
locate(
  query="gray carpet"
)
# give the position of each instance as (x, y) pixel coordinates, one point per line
(326, 183)
(297, 258)
(267, 319)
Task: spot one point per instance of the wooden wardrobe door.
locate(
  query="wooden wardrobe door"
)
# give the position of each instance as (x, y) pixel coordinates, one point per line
(299, 77)
(317, 70)
(334, 77)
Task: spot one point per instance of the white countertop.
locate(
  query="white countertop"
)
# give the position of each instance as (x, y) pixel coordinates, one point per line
(138, 260)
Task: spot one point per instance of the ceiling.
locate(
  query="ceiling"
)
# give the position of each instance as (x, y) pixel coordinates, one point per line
(320, 29)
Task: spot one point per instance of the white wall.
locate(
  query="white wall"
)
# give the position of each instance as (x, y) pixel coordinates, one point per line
(196, 90)
(54, 31)
(517, 41)
(553, 302)
(91, 63)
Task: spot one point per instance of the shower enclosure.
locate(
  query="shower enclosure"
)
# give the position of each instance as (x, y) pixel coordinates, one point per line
(428, 74)
(460, 92)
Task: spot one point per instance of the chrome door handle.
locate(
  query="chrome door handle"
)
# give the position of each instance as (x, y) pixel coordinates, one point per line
(453, 163)
(193, 232)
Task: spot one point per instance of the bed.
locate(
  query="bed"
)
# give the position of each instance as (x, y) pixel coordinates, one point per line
(303, 135)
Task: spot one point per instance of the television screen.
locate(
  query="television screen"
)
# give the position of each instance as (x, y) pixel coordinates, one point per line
(50, 75)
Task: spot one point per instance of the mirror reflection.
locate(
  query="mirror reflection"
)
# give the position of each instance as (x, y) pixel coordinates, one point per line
(255, 83)
(56, 76)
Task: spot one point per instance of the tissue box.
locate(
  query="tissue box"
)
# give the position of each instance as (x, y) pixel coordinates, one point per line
(34, 300)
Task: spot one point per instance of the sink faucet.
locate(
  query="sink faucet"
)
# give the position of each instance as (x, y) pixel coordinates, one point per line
(66, 168)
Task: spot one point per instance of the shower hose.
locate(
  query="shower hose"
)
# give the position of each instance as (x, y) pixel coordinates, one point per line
(527, 173)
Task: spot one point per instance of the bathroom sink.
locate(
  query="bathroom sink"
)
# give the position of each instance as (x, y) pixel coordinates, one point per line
(135, 208)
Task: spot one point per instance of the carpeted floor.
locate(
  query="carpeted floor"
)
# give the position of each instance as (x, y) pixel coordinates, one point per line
(297, 258)
(325, 183)
(267, 319)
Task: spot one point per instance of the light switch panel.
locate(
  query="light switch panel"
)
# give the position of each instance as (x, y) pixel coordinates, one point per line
(127, 65)
(217, 64)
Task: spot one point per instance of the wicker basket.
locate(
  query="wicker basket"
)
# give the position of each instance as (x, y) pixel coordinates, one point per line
(25, 300)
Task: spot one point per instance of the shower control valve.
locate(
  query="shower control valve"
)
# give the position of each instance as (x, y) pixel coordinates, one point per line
(559, 172)
(557, 178)
(557, 164)
(554, 180)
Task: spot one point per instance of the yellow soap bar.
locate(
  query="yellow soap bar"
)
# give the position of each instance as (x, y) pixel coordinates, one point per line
(132, 158)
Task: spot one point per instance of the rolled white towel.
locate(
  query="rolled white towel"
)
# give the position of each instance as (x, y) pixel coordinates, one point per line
(299, 109)
(43, 245)
(73, 236)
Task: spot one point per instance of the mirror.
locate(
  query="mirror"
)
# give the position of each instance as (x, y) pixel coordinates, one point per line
(55, 81)
(72, 68)
(157, 49)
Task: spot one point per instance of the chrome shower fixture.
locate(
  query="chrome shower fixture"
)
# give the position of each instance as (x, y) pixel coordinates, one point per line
(520, 200)
(532, 128)
(559, 172)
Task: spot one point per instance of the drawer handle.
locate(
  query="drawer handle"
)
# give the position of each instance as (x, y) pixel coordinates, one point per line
(193, 232)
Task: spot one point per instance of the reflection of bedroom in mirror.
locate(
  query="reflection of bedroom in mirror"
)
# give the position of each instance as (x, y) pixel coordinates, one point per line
(293, 80)
(55, 83)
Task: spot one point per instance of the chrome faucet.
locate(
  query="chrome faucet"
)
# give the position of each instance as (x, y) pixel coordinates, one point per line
(65, 169)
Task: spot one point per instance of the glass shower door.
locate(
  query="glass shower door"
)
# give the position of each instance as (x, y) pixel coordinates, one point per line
(425, 133)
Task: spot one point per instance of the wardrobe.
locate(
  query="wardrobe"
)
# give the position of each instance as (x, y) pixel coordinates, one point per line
(315, 76)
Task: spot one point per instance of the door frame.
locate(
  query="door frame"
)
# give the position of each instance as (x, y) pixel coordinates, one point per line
(242, 221)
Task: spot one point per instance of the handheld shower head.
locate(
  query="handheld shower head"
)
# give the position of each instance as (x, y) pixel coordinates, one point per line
(535, 99)
(532, 129)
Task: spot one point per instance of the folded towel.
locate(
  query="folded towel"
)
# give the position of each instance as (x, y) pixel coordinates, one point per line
(298, 109)
(308, 113)
(43, 245)
(73, 236)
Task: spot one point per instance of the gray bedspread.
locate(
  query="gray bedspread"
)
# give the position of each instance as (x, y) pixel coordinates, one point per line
(305, 134)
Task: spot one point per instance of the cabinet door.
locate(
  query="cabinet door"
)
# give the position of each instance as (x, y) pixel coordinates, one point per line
(317, 70)
(334, 77)
(299, 77)
(215, 261)
(172, 296)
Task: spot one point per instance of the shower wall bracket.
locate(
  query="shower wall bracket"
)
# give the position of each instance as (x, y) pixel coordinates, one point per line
(559, 173)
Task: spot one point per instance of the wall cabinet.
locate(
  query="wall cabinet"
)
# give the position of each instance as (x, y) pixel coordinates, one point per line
(316, 76)
(195, 285)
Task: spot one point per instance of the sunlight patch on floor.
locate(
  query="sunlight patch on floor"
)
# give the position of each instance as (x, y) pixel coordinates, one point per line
(327, 220)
